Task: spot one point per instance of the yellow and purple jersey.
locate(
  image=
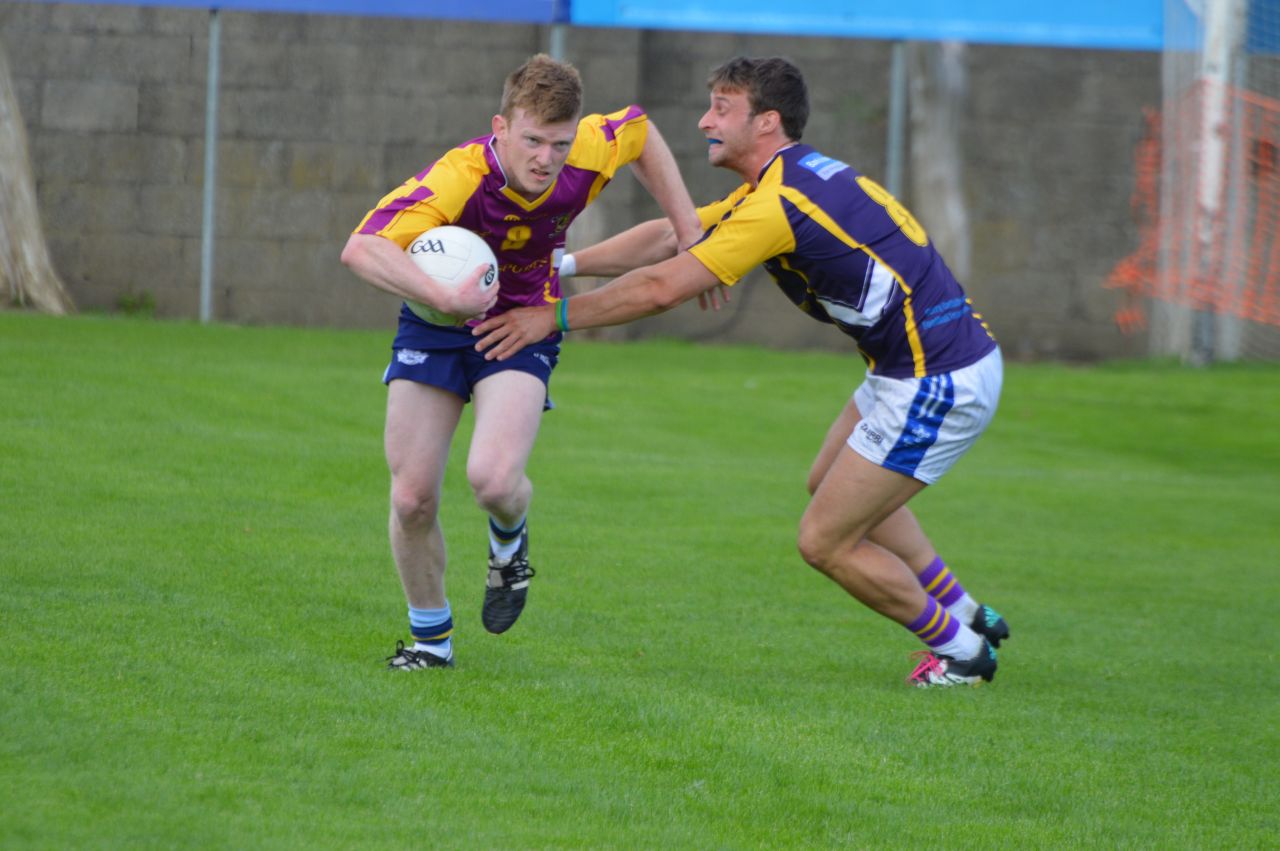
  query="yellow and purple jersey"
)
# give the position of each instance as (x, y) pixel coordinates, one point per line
(466, 187)
(846, 252)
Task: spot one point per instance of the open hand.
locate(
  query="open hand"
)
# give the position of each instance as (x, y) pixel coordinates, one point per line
(504, 335)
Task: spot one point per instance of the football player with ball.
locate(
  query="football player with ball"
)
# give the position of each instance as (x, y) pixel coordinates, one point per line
(517, 188)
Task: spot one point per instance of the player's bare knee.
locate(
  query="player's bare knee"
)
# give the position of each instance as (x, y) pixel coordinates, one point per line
(815, 548)
(413, 507)
(495, 491)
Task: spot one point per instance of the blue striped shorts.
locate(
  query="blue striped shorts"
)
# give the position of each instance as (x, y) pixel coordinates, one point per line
(921, 426)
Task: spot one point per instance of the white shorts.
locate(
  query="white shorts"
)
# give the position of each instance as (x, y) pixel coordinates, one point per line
(921, 426)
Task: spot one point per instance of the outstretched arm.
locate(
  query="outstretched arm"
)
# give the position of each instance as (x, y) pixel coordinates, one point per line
(643, 245)
(642, 292)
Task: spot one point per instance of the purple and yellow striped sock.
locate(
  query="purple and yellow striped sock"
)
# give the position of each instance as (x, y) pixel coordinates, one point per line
(935, 626)
(940, 583)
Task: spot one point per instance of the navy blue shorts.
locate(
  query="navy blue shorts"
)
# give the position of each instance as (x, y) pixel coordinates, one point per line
(447, 358)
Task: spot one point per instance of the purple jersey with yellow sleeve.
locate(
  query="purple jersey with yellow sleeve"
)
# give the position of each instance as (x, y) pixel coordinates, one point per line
(467, 187)
(846, 252)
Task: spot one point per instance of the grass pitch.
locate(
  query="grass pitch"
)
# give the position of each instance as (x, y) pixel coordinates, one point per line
(196, 597)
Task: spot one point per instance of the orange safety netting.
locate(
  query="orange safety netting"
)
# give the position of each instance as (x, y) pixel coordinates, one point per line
(1224, 257)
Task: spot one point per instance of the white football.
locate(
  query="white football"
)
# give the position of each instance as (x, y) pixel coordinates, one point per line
(449, 254)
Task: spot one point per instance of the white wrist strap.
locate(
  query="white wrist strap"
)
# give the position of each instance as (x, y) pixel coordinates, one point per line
(568, 266)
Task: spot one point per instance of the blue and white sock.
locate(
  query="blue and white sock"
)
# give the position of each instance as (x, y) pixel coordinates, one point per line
(431, 630)
(504, 542)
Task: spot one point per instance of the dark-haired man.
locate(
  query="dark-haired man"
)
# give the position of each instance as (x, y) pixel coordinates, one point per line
(849, 254)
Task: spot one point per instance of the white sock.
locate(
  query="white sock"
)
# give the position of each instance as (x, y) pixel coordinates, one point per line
(443, 649)
(966, 645)
(964, 609)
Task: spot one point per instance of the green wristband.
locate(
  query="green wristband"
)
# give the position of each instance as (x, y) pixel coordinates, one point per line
(562, 314)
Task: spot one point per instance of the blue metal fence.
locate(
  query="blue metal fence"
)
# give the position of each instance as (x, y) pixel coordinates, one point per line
(511, 11)
(1129, 24)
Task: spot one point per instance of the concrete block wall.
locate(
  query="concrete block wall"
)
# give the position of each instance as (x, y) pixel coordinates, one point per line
(319, 116)
(1049, 157)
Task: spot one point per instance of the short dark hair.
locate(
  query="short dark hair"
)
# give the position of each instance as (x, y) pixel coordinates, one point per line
(770, 83)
